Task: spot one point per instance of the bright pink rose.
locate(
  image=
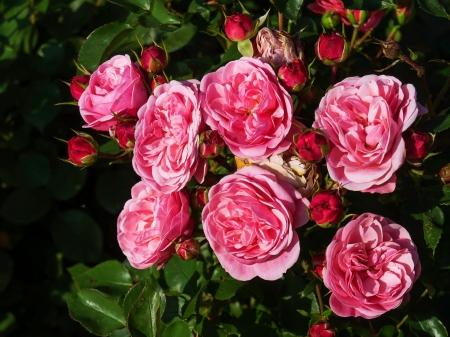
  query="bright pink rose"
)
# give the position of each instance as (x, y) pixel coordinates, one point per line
(371, 265)
(364, 119)
(167, 137)
(115, 86)
(250, 223)
(150, 223)
(251, 110)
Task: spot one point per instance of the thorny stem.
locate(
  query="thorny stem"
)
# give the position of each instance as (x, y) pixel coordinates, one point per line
(389, 37)
(354, 36)
(417, 302)
(441, 94)
(363, 38)
(280, 21)
(333, 74)
(319, 298)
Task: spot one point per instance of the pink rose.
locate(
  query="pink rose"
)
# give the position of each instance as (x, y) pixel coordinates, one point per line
(167, 137)
(276, 47)
(251, 110)
(371, 265)
(250, 223)
(115, 86)
(364, 119)
(150, 223)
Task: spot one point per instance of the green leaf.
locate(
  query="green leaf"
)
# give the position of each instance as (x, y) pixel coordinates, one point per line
(438, 124)
(24, 206)
(192, 305)
(136, 6)
(388, 331)
(228, 286)
(77, 269)
(143, 306)
(34, 169)
(178, 272)
(432, 232)
(434, 7)
(309, 288)
(289, 8)
(100, 43)
(113, 189)
(66, 180)
(77, 236)
(6, 270)
(179, 38)
(431, 325)
(370, 5)
(7, 323)
(110, 277)
(95, 312)
(177, 328)
(111, 147)
(437, 194)
(163, 15)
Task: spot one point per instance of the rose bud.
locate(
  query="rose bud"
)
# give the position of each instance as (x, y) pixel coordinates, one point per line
(276, 47)
(326, 208)
(238, 27)
(312, 145)
(78, 85)
(187, 249)
(157, 81)
(82, 150)
(404, 11)
(417, 143)
(318, 262)
(331, 20)
(332, 48)
(357, 17)
(293, 76)
(154, 59)
(199, 198)
(444, 173)
(211, 144)
(323, 329)
(123, 132)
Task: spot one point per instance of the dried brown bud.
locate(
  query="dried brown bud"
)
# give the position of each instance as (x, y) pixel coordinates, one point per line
(391, 49)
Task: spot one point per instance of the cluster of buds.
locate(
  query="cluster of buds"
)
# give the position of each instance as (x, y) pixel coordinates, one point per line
(82, 150)
(332, 48)
(326, 208)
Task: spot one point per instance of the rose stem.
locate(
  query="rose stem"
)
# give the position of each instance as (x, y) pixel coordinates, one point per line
(363, 38)
(203, 242)
(417, 302)
(441, 93)
(333, 74)
(107, 156)
(280, 21)
(223, 162)
(389, 37)
(319, 298)
(354, 36)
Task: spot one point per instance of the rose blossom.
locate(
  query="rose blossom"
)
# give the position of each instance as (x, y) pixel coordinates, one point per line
(167, 135)
(276, 47)
(150, 223)
(250, 223)
(251, 110)
(364, 119)
(326, 208)
(115, 86)
(371, 265)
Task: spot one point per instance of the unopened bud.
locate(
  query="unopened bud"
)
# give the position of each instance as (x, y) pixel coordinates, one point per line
(404, 12)
(444, 173)
(211, 144)
(154, 59)
(331, 20)
(311, 145)
(323, 329)
(78, 85)
(326, 208)
(238, 27)
(123, 132)
(332, 48)
(199, 198)
(318, 263)
(187, 249)
(357, 17)
(157, 81)
(82, 150)
(417, 143)
(293, 76)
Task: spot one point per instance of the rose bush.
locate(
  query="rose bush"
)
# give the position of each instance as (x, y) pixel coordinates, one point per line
(115, 86)
(364, 119)
(251, 110)
(150, 223)
(371, 265)
(250, 223)
(167, 137)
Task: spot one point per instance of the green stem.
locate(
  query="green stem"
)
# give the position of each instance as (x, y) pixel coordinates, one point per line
(319, 298)
(333, 74)
(354, 36)
(363, 38)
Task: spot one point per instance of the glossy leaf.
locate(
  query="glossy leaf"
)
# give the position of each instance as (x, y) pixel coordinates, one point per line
(309, 288)
(163, 15)
(95, 312)
(136, 6)
(438, 124)
(431, 325)
(178, 273)
(435, 7)
(432, 220)
(179, 37)
(289, 8)
(228, 286)
(371, 5)
(177, 328)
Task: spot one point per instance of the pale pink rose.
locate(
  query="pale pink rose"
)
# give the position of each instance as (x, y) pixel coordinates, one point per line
(371, 265)
(115, 86)
(276, 47)
(250, 223)
(150, 223)
(167, 137)
(251, 110)
(364, 119)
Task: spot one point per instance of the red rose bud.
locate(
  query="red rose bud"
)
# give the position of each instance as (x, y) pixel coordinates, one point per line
(78, 85)
(331, 20)
(154, 59)
(157, 81)
(444, 173)
(404, 12)
(82, 150)
(312, 145)
(238, 27)
(357, 17)
(318, 262)
(332, 48)
(326, 208)
(123, 132)
(293, 76)
(417, 143)
(323, 329)
(199, 198)
(187, 249)
(211, 144)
